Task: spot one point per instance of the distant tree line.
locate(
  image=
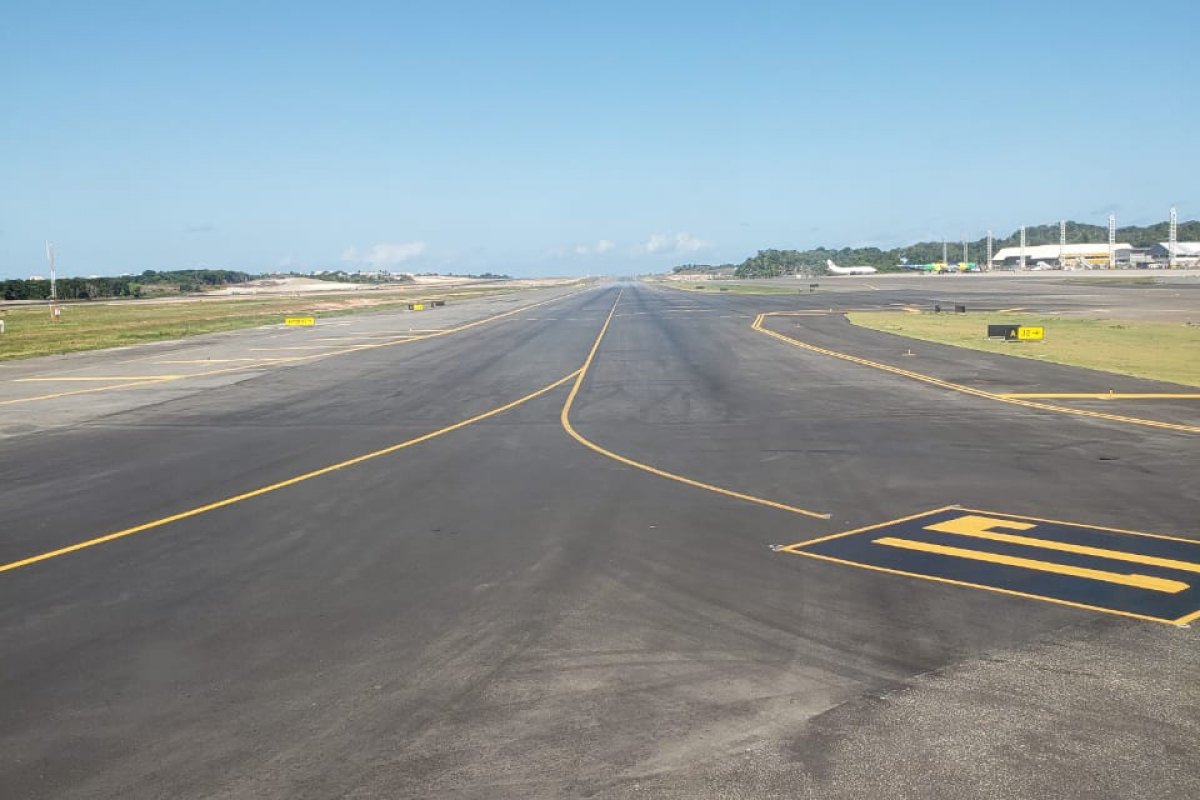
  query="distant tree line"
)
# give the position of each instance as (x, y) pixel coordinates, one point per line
(774, 263)
(341, 276)
(150, 281)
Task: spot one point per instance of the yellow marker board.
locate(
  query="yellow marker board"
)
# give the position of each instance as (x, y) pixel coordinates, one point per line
(1030, 333)
(306, 322)
(416, 306)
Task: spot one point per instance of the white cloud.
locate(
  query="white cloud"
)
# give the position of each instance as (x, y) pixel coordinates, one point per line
(660, 243)
(384, 255)
(597, 248)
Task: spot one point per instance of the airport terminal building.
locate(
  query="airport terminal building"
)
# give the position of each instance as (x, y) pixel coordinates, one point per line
(1053, 256)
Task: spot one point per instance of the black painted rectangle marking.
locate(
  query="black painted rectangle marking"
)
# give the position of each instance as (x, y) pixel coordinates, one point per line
(1116, 571)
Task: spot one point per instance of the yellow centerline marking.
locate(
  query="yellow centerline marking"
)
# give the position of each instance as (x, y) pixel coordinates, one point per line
(273, 487)
(1151, 583)
(565, 419)
(958, 387)
(108, 378)
(1098, 396)
(295, 359)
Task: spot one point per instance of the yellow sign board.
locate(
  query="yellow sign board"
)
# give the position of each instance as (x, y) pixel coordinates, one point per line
(416, 306)
(1030, 334)
(306, 322)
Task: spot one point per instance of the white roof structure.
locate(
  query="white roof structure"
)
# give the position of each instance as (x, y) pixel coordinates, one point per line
(1042, 252)
(1184, 249)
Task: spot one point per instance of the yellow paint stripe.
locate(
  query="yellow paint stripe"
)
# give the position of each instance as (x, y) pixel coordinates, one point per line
(290, 347)
(273, 487)
(257, 360)
(1188, 618)
(1067, 547)
(794, 548)
(107, 378)
(994, 589)
(565, 419)
(294, 359)
(1098, 396)
(986, 513)
(1149, 582)
(957, 387)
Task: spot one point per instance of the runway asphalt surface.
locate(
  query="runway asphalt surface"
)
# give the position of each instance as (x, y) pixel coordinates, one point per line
(236, 568)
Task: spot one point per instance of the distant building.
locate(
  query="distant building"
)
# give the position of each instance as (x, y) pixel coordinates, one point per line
(1055, 256)
(35, 278)
(1187, 254)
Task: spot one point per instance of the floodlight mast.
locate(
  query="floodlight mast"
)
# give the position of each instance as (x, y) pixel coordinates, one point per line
(1112, 241)
(1172, 238)
(1022, 248)
(989, 252)
(53, 283)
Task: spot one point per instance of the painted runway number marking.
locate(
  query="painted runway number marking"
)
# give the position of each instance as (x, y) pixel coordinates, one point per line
(1120, 572)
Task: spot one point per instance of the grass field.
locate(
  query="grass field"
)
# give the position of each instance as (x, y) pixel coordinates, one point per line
(29, 331)
(1159, 350)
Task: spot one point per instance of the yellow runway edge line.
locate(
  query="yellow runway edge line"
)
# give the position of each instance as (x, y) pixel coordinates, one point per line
(228, 501)
(958, 387)
(269, 362)
(565, 418)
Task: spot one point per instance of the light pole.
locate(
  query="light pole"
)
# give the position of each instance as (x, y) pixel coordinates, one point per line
(54, 315)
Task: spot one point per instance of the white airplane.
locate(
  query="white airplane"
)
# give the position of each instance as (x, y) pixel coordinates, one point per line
(834, 269)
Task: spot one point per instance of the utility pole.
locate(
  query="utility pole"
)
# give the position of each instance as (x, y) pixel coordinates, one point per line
(1172, 238)
(988, 266)
(1022, 248)
(1113, 241)
(54, 313)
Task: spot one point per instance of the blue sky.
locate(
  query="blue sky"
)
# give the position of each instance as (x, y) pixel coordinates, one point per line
(565, 138)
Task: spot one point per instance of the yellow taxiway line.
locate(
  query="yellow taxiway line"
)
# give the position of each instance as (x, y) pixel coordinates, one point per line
(274, 487)
(107, 378)
(758, 325)
(1097, 396)
(565, 419)
(267, 362)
